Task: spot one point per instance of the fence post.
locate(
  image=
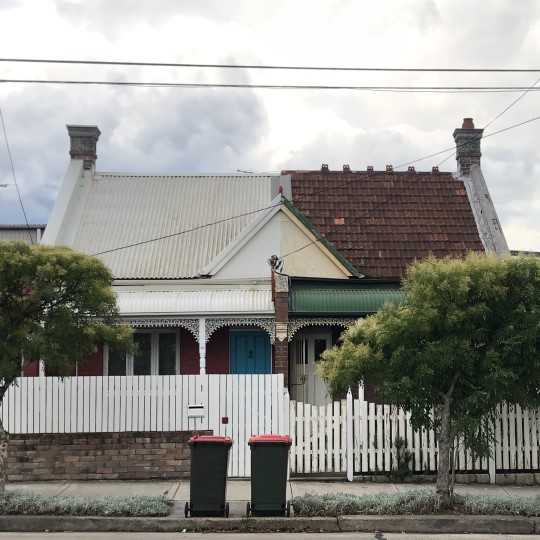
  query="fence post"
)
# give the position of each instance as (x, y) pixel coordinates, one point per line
(491, 459)
(350, 438)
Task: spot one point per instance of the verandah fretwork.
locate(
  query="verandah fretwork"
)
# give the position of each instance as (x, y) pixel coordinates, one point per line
(266, 324)
(297, 324)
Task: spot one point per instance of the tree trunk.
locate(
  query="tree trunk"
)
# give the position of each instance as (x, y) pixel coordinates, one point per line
(444, 443)
(4, 439)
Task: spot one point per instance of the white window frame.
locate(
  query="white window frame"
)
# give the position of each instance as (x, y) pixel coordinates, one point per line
(154, 351)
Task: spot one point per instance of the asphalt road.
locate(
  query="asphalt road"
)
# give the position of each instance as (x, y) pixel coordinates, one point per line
(261, 536)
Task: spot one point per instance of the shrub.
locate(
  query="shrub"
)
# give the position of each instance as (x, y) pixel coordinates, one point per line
(413, 502)
(31, 503)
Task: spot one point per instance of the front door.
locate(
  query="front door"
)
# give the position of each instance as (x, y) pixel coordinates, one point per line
(306, 385)
(250, 352)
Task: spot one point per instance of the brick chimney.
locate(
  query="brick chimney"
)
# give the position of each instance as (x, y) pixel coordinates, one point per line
(467, 146)
(83, 140)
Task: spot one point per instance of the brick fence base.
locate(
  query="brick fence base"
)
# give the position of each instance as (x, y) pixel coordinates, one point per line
(99, 456)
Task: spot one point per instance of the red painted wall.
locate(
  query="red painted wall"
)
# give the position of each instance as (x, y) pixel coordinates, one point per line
(217, 352)
(32, 369)
(93, 364)
(189, 353)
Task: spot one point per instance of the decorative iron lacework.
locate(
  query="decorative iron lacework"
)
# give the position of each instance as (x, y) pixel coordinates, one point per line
(266, 324)
(189, 324)
(297, 324)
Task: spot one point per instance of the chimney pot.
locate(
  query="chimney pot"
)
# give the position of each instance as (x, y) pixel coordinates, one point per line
(83, 142)
(468, 123)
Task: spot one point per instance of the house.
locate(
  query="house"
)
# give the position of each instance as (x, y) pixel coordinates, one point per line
(30, 234)
(258, 273)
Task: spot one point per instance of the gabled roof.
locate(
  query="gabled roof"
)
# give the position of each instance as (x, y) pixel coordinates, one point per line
(157, 226)
(382, 221)
(281, 205)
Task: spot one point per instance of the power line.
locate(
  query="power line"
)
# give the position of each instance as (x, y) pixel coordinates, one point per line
(399, 193)
(401, 89)
(270, 67)
(14, 176)
(378, 173)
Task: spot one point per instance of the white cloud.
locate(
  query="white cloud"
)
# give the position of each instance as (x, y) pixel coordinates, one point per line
(201, 130)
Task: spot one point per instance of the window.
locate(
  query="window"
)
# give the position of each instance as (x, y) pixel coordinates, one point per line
(157, 353)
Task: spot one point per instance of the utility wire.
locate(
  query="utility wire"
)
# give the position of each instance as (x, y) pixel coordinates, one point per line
(377, 173)
(258, 66)
(416, 89)
(477, 137)
(14, 176)
(533, 87)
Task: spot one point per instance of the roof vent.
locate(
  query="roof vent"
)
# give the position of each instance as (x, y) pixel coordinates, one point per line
(346, 168)
(412, 169)
(389, 169)
(370, 168)
(435, 170)
(324, 167)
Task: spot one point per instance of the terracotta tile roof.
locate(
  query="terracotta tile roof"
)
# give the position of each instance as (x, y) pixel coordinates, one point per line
(382, 221)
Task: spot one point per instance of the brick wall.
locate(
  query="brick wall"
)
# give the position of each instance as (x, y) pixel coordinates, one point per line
(99, 456)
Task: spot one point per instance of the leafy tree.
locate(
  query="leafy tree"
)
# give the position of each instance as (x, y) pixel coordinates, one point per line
(56, 305)
(465, 339)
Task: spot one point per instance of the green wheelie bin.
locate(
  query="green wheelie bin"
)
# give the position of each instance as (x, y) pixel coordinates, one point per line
(208, 478)
(269, 471)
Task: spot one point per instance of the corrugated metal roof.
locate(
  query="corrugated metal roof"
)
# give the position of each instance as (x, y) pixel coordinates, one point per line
(21, 233)
(341, 301)
(135, 210)
(194, 302)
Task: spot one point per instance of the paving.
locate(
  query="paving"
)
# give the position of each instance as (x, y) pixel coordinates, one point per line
(239, 493)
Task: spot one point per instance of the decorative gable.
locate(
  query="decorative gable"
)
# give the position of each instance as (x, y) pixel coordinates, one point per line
(280, 231)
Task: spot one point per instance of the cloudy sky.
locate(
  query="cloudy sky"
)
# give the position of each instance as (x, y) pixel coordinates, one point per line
(192, 130)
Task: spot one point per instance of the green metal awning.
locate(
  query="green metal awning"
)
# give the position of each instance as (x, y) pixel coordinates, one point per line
(340, 301)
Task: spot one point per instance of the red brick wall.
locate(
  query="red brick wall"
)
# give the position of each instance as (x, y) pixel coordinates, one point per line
(99, 456)
(281, 348)
(217, 352)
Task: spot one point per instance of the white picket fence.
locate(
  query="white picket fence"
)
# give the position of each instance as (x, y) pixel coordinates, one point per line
(235, 406)
(330, 439)
(351, 436)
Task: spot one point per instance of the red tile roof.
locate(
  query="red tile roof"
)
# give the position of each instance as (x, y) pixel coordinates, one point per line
(382, 221)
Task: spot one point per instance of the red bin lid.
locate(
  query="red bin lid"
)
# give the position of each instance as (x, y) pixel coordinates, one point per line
(210, 438)
(280, 439)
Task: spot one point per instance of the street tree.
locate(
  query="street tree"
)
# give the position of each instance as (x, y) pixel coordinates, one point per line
(465, 339)
(56, 305)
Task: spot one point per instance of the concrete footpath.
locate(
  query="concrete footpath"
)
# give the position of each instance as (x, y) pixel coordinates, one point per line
(239, 493)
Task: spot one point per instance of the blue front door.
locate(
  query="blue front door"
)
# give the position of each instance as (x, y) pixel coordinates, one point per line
(250, 352)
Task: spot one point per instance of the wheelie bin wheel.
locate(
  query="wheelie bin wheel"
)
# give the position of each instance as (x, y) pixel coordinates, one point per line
(226, 512)
(248, 509)
(186, 510)
(288, 510)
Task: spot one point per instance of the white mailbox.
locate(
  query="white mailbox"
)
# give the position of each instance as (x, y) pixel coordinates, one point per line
(196, 410)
